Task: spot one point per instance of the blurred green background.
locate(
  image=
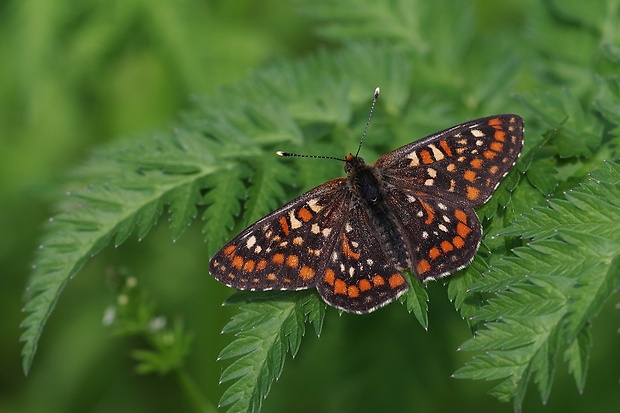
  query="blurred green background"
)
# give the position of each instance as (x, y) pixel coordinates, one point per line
(75, 75)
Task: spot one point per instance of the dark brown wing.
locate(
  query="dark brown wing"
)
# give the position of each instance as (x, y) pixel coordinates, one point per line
(463, 164)
(360, 275)
(433, 185)
(285, 249)
(440, 236)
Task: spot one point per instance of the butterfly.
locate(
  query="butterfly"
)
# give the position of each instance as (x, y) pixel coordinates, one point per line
(351, 238)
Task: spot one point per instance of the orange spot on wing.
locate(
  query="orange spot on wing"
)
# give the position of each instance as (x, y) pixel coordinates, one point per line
(261, 265)
(430, 212)
(497, 146)
(494, 122)
(378, 280)
(365, 285)
(304, 214)
(434, 253)
(353, 291)
(463, 230)
(426, 157)
(489, 154)
(237, 262)
(249, 266)
(472, 193)
(229, 249)
(422, 267)
(500, 135)
(292, 261)
(458, 242)
(446, 148)
(329, 277)
(469, 175)
(396, 280)
(306, 273)
(476, 163)
(284, 225)
(278, 259)
(446, 246)
(461, 216)
(271, 277)
(340, 287)
(347, 250)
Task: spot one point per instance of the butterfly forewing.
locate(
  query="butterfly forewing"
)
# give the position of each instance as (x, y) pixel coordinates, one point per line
(463, 164)
(283, 250)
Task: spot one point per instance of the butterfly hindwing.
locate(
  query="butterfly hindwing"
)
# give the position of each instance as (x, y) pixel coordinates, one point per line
(441, 236)
(359, 275)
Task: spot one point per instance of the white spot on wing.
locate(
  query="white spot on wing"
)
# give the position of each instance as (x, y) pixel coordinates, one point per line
(250, 242)
(312, 204)
(437, 154)
(295, 223)
(415, 161)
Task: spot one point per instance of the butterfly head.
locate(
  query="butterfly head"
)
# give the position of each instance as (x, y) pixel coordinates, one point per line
(353, 163)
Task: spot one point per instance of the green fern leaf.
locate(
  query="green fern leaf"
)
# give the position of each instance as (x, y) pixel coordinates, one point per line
(223, 201)
(132, 199)
(459, 289)
(550, 291)
(416, 300)
(579, 132)
(577, 355)
(264, 332)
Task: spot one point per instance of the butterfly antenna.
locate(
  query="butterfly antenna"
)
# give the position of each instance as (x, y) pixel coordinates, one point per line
(280, 153)
(372, 108)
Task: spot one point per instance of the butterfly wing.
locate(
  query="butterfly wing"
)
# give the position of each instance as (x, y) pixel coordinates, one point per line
(360, 276)
(285, 249)
(463, 164)
(434, 184)
(440, 236)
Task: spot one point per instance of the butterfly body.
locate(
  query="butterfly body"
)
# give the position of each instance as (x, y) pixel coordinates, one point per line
(352, 237)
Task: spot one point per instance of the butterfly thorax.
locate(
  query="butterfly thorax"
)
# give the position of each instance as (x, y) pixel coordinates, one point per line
(362, 180)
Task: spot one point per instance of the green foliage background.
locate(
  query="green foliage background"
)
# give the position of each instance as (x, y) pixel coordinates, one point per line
(77, 76)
